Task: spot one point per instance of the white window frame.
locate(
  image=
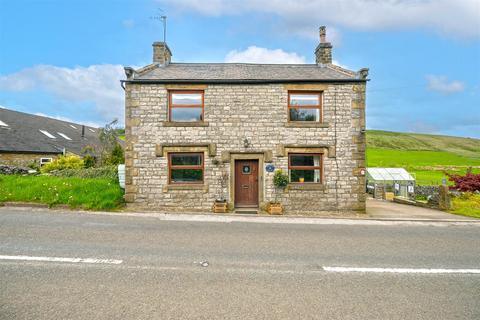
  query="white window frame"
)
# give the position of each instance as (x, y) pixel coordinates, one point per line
(42, 162)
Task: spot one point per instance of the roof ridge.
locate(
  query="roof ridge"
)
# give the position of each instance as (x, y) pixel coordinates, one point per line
(242, 63)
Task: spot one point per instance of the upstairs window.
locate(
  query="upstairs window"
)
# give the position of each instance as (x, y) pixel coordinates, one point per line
(185, 106)
(305, 106)
(305, 168)
(185, 167)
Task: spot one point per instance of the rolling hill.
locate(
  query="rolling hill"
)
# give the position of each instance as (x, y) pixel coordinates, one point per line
(427, 156)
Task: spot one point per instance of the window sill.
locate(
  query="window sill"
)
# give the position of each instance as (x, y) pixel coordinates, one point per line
(185, 186)
(185, 124)
(306, 186)
(298, 124)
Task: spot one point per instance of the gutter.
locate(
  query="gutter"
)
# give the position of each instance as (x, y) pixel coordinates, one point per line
(239, 81)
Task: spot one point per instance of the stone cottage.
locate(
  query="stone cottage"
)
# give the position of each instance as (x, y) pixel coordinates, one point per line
(197, 132)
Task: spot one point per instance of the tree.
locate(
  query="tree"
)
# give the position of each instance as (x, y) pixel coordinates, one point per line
(111, 152)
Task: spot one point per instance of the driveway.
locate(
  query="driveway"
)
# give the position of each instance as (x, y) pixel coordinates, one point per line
(382, 209)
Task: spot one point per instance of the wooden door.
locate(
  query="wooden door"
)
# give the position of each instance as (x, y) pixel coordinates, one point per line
(246, 183)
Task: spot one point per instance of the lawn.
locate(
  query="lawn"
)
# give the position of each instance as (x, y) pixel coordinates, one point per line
(467, 205)
(83, 193)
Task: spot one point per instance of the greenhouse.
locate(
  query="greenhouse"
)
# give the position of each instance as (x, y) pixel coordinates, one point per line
(398, 181)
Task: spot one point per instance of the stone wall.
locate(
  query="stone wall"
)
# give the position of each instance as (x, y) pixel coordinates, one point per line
(234, 113)
(23, 159)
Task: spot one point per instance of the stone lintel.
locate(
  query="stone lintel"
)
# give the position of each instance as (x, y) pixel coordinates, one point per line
(283, 150)
(161, 150)
(267, 155)
(306, 86)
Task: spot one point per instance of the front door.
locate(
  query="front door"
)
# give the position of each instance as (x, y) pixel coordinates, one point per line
(246, 183)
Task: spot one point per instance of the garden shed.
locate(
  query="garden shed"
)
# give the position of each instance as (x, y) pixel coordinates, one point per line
(395, 180)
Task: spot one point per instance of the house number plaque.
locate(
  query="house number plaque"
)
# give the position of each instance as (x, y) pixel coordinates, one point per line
(270, 167)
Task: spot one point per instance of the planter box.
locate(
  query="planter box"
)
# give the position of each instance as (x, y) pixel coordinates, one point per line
(220, 207)
(274, 208)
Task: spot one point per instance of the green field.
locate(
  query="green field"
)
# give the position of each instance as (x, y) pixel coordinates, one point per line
(428, 157)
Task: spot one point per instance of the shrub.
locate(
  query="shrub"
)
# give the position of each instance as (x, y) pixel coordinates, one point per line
(468, 183)
(110, 172)
(280, 180)
(89, 161)
(63, 162)
(116, 156)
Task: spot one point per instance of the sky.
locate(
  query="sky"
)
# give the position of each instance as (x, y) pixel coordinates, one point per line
(65, 59)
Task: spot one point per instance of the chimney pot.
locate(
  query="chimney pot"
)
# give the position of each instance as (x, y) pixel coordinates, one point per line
(323, 34)
(323, 53)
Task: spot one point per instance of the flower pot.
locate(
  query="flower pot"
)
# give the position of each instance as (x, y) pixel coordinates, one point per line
(274, 208)
(220, 207)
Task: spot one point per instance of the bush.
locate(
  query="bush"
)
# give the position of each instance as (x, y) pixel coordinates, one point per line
(89, 161)
(468, 183)
(280, 180)
(110, 172)
(116, 156)
(63, 162)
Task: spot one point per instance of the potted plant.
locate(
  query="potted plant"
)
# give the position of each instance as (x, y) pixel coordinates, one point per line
(280, 181)
(220, 205)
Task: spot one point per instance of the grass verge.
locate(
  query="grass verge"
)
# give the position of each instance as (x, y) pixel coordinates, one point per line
(83, 193)
(467, 204)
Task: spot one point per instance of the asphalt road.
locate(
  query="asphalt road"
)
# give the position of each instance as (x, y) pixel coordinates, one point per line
(144, 268)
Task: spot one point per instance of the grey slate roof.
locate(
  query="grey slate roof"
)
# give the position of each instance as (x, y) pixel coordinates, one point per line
(242, 72)
(22, 134)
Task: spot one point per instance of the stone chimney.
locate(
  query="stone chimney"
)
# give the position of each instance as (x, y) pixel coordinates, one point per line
(161, 53)
(323, 53)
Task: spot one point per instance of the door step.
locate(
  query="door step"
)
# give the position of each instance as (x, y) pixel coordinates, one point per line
(246, 211)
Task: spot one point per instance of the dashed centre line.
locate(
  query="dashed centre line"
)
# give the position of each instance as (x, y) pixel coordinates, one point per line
(62, 259)
(401, 270)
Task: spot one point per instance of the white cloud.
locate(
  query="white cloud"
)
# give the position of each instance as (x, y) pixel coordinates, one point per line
(443, 85)
(254, 54)
(458, 18)
(97, 84)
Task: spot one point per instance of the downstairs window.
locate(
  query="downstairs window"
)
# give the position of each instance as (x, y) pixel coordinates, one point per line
(185, 168)
(305, 168)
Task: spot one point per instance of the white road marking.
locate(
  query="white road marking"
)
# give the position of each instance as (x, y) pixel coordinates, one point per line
(401, 270)
(60, 259)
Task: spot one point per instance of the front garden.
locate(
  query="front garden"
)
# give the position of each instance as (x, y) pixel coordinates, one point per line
(89, 182)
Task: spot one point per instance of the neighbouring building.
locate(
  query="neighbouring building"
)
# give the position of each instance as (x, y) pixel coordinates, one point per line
(197, 132)
(27, 138)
